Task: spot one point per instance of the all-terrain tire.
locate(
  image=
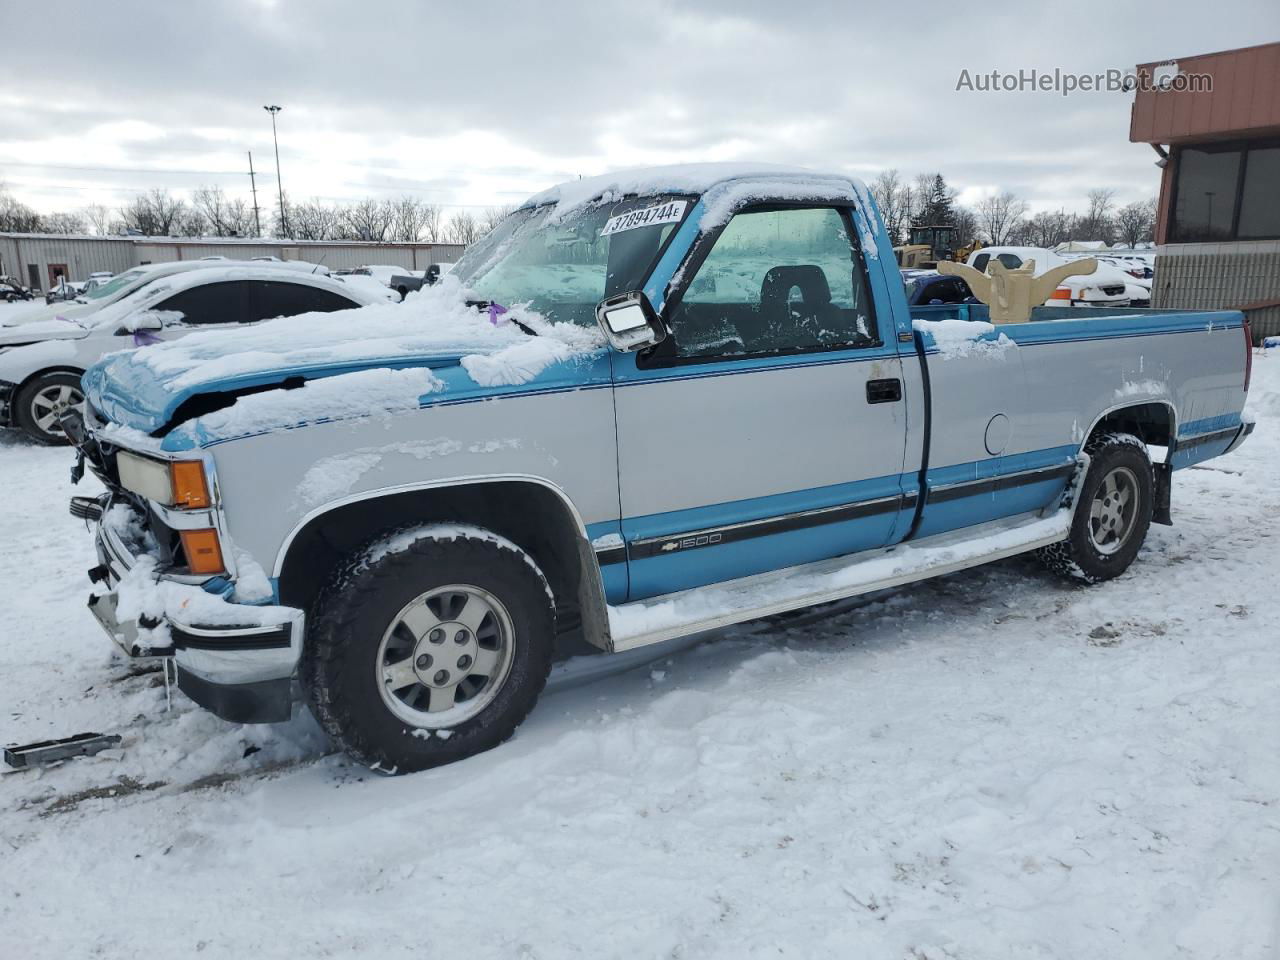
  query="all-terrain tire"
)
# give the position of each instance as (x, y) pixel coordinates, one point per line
(1096, 549)
(358, 613)
(38, 403)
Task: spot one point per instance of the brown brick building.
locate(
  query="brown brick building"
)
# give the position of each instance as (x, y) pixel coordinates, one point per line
(1218, 221)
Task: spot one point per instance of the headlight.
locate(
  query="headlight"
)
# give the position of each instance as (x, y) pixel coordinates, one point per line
(177, 483)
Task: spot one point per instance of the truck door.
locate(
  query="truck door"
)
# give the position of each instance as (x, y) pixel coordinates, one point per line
(769, 429)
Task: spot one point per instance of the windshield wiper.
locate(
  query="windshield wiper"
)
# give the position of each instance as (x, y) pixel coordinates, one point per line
(496, 310)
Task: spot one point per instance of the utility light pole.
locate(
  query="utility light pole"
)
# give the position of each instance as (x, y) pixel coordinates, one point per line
(284, 219)
(253, 185)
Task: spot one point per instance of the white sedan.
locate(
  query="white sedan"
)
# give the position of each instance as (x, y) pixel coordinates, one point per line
(41, 362)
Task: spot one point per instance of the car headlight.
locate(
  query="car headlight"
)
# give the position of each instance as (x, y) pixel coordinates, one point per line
(175, 483)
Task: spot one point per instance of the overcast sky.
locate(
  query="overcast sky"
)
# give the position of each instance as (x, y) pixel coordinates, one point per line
(480, 103)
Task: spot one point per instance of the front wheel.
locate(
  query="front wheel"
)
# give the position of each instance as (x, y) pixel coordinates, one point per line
(1113, 512)
(430, 645)
(41, 402)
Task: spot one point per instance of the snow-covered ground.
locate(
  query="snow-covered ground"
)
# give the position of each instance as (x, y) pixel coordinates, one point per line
(994, 764)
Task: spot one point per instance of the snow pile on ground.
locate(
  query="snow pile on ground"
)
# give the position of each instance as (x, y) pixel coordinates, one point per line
(991, 764)
(964, 338)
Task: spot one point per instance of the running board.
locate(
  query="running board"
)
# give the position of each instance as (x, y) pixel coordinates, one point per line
(718, 605)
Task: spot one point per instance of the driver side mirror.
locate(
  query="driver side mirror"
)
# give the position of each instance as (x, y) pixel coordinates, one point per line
(629, 322)
(144, 321)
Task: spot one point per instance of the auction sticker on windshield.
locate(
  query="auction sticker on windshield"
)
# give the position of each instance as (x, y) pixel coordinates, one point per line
(669, 212)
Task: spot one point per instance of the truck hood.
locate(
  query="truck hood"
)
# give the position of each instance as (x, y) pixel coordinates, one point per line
(37, 330)
(156, 388)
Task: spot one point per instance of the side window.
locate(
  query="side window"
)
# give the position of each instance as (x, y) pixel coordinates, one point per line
(980, 262)
(209, 303)
(1009, 260)
(274, 298)
(776, 281)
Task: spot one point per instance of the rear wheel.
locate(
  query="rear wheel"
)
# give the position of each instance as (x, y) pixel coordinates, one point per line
(41, 402)
(1113, 513)
(430, 645)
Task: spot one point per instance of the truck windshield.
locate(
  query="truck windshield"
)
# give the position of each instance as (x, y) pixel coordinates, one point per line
(563, 267)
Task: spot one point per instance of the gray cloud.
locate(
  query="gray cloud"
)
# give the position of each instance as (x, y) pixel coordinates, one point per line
(563, 89)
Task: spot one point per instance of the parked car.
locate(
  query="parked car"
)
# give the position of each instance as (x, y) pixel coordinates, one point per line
(12, 291)
(645, 406)
(411, 280)
(41, 364)
(122, 285)
(930, 287)
(382, 273)
(64, 289)
(1105, 288)
(379, 291)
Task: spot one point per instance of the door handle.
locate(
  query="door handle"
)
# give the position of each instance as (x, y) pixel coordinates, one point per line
(884, 391)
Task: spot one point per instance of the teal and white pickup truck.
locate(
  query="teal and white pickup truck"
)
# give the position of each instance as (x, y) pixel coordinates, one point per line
(647, 405)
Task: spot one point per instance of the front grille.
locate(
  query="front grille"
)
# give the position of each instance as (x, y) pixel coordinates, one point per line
(1114, 290)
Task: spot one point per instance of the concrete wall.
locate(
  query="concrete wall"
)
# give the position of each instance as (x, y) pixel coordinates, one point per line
(1212, 276)
(85, 255)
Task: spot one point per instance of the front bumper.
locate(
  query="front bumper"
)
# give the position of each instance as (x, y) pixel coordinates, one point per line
(243, 672)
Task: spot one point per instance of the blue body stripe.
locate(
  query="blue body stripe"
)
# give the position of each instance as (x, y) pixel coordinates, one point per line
(1194, 428)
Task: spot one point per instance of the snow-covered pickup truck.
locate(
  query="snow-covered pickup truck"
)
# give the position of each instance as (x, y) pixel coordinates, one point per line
(647, 405)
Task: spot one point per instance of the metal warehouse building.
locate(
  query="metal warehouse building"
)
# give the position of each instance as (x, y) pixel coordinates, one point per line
(1218, 225)
(38, 259)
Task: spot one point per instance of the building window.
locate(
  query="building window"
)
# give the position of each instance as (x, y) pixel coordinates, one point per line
(1227, 191)
(1260, 200)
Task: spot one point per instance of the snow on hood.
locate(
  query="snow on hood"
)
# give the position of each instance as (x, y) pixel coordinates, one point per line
(38, 330)
(142, 389)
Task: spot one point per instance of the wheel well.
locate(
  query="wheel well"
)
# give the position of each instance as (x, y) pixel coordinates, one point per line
(1150, 422)
(532, 516)
(47, 370)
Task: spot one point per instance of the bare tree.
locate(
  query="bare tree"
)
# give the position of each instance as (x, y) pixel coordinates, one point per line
(492, 216)
(1135, 222)
(154, 213)
(99, 219)
(64, 222)
(999, 214)
(1096, 224)
(414, 220)
(368, 219)
(966, 223)
(315, 221)
(16, 216)
(463, 227)
(892, 198)
(225, 216)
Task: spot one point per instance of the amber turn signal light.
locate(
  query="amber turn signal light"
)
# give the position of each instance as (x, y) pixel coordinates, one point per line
(189, 488)
(204, 555)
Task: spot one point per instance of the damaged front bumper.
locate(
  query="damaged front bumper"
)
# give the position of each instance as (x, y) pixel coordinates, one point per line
(241, 671)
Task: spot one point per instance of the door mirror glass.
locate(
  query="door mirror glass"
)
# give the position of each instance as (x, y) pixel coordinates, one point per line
(629, 322)
(147, 321)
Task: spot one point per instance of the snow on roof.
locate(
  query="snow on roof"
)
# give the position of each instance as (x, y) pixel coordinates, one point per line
(678, 178)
